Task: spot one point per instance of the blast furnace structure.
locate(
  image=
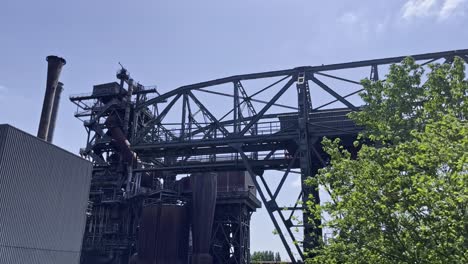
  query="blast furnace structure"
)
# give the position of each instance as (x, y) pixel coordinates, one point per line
(180, 159)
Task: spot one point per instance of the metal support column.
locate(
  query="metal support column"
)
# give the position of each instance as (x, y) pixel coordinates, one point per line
(312, 230)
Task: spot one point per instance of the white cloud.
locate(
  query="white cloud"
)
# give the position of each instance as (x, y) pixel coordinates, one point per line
(354, 24)
(450, 7)
(359, 25)
(382, 26)
(349, 18)
(418, 8)
(441, 9)
(384, 23)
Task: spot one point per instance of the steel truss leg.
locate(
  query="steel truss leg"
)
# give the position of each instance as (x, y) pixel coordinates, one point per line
(231, 231)
(270, 205)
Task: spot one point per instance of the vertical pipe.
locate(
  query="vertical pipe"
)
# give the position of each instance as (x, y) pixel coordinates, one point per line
(128, 108)
(55, 108)
(54, 68)
(236, 107)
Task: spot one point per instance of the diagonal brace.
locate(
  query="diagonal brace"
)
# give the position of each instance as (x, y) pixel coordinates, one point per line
(209, 114)
(266, 107)
(333, 93)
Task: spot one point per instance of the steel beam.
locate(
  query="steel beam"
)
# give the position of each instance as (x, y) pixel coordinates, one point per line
(333, 93)
(331, 67)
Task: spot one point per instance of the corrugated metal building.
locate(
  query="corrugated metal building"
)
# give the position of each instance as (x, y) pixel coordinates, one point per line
(43, 200)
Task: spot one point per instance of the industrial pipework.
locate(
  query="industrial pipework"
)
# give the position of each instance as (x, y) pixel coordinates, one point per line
(54, 69)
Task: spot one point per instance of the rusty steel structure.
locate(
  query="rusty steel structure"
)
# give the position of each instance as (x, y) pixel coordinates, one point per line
(143, 143)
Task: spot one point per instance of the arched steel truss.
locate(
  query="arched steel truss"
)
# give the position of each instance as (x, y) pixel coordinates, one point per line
(245, 137)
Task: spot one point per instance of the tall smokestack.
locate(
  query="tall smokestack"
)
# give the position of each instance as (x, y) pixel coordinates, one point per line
(54, 68)
(55, 108)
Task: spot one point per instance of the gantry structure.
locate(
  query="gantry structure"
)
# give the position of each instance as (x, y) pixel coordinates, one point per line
(255, 123)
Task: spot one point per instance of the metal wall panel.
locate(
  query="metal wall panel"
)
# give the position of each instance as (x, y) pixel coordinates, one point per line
(235, 181)
(164, 234)
(36, 256)
(43, 198)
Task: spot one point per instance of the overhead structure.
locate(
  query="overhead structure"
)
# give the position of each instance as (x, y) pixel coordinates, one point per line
(253, 123)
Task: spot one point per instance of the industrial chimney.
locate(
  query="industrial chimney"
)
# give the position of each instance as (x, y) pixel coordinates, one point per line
(54, 68)
(55, 108)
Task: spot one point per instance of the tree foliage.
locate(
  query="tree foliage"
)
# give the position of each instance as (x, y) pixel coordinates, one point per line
(403, 197)
(277, 256)
(265, 256)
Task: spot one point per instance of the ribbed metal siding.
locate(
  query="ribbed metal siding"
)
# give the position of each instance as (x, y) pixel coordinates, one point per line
(43, 198)
(36, 256)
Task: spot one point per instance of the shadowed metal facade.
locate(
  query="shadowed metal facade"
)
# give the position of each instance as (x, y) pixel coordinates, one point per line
(270, 121)
(44, 196)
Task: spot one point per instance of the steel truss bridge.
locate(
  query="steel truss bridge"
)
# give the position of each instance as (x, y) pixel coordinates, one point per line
(258, 123)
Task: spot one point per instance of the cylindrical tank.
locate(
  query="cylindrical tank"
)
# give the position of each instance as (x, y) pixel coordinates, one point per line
(203, 208)
(163, 235)
(54, 69)
(55, 108)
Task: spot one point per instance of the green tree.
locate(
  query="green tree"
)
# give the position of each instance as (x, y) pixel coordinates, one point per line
(277, 257)
(255, 256)
(403, 197)
(265, 256)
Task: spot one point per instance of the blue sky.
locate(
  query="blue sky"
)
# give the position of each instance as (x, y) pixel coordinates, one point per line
(171, 43)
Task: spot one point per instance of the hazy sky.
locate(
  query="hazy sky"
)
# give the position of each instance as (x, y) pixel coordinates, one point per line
(171, 43)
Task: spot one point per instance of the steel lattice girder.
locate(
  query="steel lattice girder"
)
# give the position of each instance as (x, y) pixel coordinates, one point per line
(220, 145)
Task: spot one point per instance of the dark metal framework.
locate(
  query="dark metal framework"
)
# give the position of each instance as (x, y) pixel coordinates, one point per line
(231, 228)
(266, 125)
(113, 212)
